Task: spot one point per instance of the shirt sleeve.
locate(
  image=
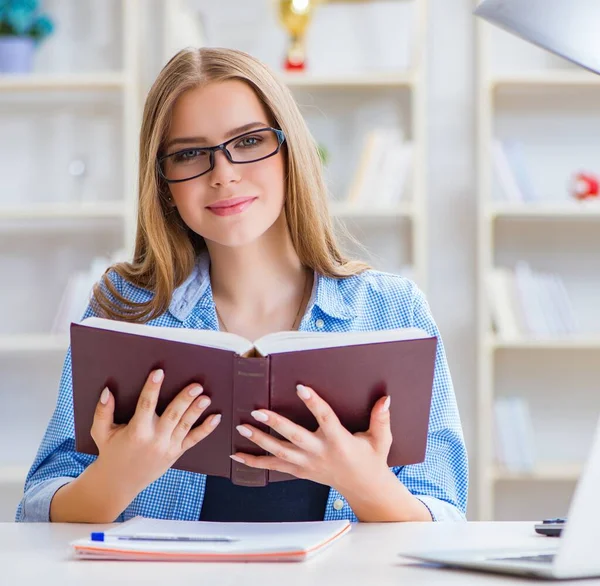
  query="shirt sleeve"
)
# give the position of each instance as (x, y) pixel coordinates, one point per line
(56, 462)
(440, 482)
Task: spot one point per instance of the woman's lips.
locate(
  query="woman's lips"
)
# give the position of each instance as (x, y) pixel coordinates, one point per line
(229, 207)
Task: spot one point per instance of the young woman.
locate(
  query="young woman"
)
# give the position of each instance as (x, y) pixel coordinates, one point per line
(234, 234)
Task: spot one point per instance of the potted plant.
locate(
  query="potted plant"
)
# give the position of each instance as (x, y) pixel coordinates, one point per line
(22, 27)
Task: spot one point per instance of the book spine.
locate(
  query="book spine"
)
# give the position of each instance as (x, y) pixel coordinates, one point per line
(250, 392)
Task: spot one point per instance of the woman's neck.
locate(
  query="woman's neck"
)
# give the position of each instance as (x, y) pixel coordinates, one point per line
(260, 288)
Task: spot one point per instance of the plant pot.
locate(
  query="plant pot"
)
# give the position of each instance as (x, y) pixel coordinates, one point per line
(16, 54)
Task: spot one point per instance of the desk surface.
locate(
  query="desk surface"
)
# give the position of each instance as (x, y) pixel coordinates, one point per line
(368, 555)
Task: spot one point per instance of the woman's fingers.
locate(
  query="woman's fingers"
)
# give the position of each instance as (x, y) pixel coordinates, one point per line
(199, 433)
(189, 417)
(326, 418)
(146, 406)
(176, 409)
(267, 463)
(103, 417)
(296, 434)
(282, 450)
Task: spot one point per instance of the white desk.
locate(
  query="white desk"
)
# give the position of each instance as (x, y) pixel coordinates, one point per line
(368, 555)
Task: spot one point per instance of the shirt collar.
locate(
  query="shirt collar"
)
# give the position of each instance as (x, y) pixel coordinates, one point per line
(327, 293)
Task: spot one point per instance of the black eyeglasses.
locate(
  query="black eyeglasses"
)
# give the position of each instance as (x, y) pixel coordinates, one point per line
(193, 162)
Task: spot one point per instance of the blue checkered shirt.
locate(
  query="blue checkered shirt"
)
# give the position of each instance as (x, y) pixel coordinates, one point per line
(370, 301)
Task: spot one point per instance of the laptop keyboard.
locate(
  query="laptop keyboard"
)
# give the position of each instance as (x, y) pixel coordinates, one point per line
(546, 558)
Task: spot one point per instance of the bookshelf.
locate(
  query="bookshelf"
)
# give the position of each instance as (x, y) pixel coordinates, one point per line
(341, 102)
(81, 103)
(62, 82)
(551, 107)
(59, 211)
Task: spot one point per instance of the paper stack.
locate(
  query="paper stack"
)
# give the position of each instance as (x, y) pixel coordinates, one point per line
(160, 539)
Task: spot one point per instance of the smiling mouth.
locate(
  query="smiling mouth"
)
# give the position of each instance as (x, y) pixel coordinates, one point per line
(228, 207)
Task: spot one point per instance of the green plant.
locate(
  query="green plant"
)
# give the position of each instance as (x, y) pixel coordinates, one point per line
(22, 18)
(323, 154)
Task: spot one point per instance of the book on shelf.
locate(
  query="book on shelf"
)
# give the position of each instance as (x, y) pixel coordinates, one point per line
(512, 173)
(349, 370)
(77, 292)
(384, 169)
(513, 435)
(504, 303)
(206, 541)
(524, 302)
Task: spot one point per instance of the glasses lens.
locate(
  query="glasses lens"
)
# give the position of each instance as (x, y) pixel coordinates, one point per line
(254, 146)
(186, 163)
(194, 161)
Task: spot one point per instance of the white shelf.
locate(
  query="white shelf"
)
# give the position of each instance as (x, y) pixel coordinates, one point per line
(559, 210)
(541, 473)
(369, 80)
(562, 343)
(61, 210)
(67, 82)
(510, 364)
(345, 210)
(13, 474)
(33, 343)
(527, 79)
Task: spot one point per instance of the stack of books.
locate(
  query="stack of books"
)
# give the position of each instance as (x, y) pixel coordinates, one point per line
(513, 434)
(383, 170)
(512, 173)
(528, 303)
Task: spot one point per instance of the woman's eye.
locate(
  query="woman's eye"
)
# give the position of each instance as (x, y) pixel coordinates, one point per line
(189, 155)
(249, 141)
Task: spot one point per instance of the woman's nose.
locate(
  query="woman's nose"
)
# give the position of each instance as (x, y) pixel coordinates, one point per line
(224, 171)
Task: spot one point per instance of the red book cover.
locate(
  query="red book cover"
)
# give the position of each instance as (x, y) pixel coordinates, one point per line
(350, 370)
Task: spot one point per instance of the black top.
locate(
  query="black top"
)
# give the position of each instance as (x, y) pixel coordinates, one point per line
(290, 500)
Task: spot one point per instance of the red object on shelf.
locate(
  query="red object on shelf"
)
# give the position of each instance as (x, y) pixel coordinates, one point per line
(294, 65)
(585, 186)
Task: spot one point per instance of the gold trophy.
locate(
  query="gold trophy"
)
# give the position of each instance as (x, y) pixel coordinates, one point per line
(295, 16)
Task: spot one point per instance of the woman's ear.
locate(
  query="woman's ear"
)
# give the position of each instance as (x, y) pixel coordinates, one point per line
(170, 201)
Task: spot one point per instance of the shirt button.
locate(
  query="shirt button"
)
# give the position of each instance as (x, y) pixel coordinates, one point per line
(320, 324)
(338, 504)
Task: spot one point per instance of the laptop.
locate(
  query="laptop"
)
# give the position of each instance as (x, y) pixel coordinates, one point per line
(567, 28)
(577, 554)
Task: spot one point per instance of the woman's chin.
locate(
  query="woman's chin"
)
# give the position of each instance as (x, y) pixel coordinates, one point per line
(235, 238)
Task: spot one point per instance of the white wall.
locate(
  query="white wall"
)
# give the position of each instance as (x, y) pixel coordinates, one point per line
(452, 199)
(451, 181)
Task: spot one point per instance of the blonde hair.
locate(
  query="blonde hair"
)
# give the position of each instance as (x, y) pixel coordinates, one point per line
(165, 248)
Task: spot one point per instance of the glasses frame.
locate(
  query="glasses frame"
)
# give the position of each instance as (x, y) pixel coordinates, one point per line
(223, 148)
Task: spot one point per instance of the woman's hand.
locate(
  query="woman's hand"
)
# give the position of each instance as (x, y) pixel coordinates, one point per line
(353, 464)
(331, 455)
(141, 451)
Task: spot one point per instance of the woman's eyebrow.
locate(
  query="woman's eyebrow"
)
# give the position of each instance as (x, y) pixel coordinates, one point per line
(231, 133)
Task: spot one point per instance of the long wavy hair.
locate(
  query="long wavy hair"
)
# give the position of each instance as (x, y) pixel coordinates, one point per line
(165, 248)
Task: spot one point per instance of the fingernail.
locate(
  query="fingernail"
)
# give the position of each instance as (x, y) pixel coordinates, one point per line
(215, 420)
(238, 459)
(195, 391)
(303, 392)
(386, 405)
(259, 416)
(157, 376)
(204, 402)
(244, 431)
(104, 396)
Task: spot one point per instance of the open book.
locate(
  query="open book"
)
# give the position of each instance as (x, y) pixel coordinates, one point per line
(165, 540)
(350, 370)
